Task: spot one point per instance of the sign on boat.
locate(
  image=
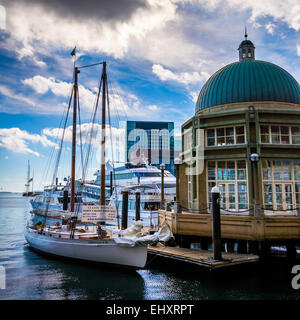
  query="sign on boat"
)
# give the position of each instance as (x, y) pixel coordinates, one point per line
(98, 213)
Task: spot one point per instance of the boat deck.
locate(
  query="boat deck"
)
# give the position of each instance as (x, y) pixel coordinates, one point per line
(202, 258)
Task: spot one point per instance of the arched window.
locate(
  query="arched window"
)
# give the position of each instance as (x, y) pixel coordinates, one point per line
(244, 53)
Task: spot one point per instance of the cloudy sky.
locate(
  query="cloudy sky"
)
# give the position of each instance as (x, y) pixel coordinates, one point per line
(159, 55)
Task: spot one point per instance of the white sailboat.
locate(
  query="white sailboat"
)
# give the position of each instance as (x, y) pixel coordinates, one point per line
(89, 243)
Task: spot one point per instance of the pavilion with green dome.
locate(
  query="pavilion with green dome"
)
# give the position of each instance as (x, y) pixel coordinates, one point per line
(245, 139)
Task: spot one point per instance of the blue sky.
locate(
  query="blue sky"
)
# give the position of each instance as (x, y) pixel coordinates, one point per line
(159, 55)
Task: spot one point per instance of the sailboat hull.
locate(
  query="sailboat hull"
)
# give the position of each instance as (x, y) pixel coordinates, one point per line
(102, 251)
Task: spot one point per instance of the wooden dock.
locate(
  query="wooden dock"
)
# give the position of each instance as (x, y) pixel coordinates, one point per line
(203, 258)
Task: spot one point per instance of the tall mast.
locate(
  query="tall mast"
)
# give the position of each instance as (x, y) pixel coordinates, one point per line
(102, 188)
(72, 201)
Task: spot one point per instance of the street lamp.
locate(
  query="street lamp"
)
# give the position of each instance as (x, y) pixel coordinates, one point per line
(162, 195)
(254, 158)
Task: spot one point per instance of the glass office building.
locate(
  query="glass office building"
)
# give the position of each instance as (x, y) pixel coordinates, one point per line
(151, 142)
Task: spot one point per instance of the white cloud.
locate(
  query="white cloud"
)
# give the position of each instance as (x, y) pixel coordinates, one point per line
(194, 96)
(153, 108)
(42, 85)
(114, 137)
(4, 90)
(31, 105)
(33, 22)
(186, 78)
(298, 50)
(270, 27)
(122, 104)
(16, 140)
(28, 51)
(287, 11)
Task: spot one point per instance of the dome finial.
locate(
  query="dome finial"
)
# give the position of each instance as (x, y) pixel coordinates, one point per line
(246, 48)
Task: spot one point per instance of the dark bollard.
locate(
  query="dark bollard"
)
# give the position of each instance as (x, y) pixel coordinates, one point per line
(111, 183)
(216, 223)
(124, 209)
(65, 200)
(162, 191)
(137, 206)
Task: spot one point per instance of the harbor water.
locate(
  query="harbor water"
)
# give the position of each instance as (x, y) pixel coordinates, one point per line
(30, 275)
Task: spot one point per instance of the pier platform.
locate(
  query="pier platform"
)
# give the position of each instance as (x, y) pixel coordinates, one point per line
(203, 258)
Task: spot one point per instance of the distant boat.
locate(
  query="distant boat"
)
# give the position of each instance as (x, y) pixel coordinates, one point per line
(27, 192)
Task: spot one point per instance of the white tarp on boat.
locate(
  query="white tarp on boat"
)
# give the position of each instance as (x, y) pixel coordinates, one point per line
(132, 235)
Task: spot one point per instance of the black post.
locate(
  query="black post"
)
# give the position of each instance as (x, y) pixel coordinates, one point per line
(124, 209)
(216, 223)
(137, 206)
(111, 183)
(56, 181)
(177, 207)
(162, 191)
(65, 200)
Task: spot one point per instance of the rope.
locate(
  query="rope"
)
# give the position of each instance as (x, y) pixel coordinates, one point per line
(194, 210)
(297, 208)
(202, 209)
(231, 211)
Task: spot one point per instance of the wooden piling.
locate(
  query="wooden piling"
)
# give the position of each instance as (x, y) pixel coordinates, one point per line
(137, 206)
(65, 200)
(111, 183)
(124, 209)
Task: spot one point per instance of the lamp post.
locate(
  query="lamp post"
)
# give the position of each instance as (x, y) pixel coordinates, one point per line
(177, 162)
(216, 223)
(162, 191)
(254, 158)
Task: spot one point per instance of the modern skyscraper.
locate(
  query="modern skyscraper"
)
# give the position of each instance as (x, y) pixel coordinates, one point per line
(151, 142)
